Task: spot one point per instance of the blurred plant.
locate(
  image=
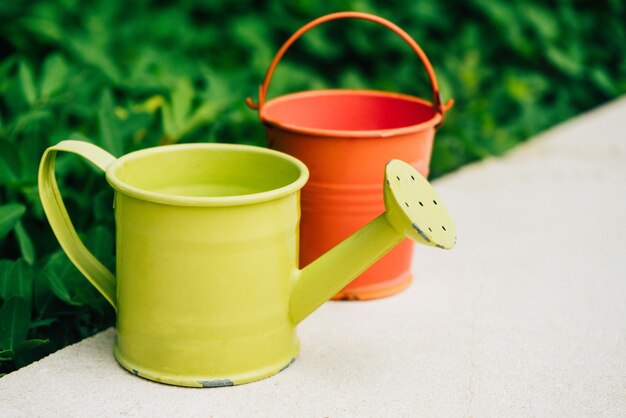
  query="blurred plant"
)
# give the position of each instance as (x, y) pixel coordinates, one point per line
(130, 75)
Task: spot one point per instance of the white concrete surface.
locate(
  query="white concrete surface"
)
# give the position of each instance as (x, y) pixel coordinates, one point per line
(526, 317)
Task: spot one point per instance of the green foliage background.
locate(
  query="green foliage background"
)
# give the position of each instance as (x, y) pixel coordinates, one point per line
(133, 74)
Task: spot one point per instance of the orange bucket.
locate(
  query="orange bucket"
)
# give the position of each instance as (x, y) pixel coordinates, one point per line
(346, 137)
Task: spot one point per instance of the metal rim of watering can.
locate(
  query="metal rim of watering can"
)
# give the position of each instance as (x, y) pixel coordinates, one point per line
(438, 106)
(168, 199)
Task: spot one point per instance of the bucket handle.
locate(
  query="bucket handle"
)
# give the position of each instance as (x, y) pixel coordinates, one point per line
(438, 106)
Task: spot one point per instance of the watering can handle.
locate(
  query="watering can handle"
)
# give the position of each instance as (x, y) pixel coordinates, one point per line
(438, 106)
(60, 222)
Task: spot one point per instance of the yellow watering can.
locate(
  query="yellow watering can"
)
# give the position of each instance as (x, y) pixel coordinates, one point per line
(207, 290)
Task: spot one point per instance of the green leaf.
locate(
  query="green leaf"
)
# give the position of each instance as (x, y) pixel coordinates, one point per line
(26, 245)
(218, 88)
(29, 351)
(107, 123)
(9, 216)
(14, 322)
(9, 164)
(99, 240)
(20, 282)
(5, 67)
(566, 62)
(6, 355)
(42, 293)
(45, 28)
(29, 152)
(602, 80)
(31, 344)
(43, 322)
(87, 295)
(205, 114)
(5, 281)
(103, 205)
(92, 54)
(28, 84)
(542, 21)
(169, 126)
(55, 72)
(182, 97)
(31, 119)
(64, 278)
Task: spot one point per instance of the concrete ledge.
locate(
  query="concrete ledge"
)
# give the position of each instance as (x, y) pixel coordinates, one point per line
(527, 316)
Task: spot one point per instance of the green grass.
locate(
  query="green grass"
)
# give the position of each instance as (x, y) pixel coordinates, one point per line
(129, 75)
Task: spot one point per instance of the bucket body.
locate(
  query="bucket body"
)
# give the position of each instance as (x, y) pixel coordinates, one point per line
(345, 137)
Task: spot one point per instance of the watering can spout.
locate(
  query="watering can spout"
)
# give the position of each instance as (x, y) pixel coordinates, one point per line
(412, 210)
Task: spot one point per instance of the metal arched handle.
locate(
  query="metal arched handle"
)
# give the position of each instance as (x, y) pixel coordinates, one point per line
(438, 106)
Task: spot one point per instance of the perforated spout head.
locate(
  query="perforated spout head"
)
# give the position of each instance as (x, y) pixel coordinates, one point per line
(415, 209)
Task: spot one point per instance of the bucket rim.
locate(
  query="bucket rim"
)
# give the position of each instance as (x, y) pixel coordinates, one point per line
(371, 133)
(206, 201)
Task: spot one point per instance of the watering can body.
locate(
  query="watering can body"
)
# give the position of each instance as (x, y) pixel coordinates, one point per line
(207, 288)
(203, 285)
